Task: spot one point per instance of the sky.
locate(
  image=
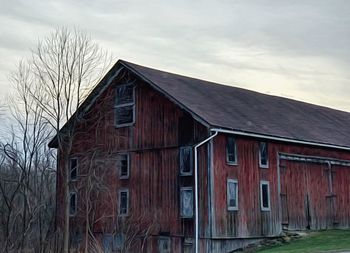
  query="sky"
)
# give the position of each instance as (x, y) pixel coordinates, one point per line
(298, 49)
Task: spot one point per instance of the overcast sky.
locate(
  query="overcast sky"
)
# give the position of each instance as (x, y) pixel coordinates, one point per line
(297, 49)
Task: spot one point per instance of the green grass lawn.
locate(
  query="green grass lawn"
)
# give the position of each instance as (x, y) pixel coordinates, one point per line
(322, 241)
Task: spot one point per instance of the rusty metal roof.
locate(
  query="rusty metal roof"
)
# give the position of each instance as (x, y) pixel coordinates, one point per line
(249, 111)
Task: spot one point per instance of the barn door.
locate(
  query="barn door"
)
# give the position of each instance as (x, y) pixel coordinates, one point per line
(304, 191)
(293, 196)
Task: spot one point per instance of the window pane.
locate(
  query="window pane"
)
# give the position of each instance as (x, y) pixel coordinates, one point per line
(186, 160)
(73, 168)
(186, 203)
(265, 195)
(124, 115)
(164, 245)
(232, 194)
(123, 208)
(263, 153)
(231, 150)
(123, 165)
(125, 94)
(73, 203)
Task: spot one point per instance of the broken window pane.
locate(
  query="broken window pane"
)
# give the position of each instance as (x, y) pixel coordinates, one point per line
(186, 160)
(123, 165)
(186, 204)
(73, 168)
(231, 156)
(232, 194)
(123, 202)
(125, 95)
(263, 154)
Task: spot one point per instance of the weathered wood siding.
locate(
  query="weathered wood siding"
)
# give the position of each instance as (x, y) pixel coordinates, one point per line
(305, 200)
(153, 144)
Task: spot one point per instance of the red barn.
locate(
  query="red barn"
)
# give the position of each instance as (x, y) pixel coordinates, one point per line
(166, 163)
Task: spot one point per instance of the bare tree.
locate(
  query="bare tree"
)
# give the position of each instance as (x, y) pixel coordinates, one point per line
(66, 64)
(26, 169)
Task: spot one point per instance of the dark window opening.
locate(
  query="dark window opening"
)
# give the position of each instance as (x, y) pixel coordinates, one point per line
(186, 202)
(263, 155)
(186, 161)
(123, 202)
(231, 151)
(123, 165)
(186, 130)
(73, 169)
(265, 196)
(124, 105)
(73, 203)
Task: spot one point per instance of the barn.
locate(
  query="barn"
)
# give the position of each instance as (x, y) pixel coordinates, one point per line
(167, 163)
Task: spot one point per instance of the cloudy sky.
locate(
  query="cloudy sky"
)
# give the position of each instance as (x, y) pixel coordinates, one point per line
(298, 49)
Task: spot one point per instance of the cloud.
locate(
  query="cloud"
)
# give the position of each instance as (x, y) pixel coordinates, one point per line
(298, 49)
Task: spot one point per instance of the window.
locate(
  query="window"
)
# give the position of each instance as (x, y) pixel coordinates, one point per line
(263, 155)
(265, 195)
(123, 202)
(164, 245)
(73, 201)
(186, 161)
(124, 105)
(231, 151)
(186, 202)
(232, 194)
(73, 169)
(123, 165)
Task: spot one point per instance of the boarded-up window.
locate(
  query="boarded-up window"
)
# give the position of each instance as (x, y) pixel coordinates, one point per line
(163, 244)
(186, 202)
(265, 195)
(231, 150)
(73, 166)
(73, 201)
(123, 202)
(124, 105)
(232, 194)
(263, 155)
(186, 161)
(123, 165)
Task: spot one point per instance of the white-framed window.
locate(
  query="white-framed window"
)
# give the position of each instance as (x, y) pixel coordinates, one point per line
(163, 244)
(186, 202)
(265, 195)
(186, 161)
(124, 108)
(123, 207)
(231, 150)
(232, 194)
(73, 203)
(123, 165)
(73, 169)
(263, 155)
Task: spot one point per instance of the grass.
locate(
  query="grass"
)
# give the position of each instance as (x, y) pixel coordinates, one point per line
(322, 241)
